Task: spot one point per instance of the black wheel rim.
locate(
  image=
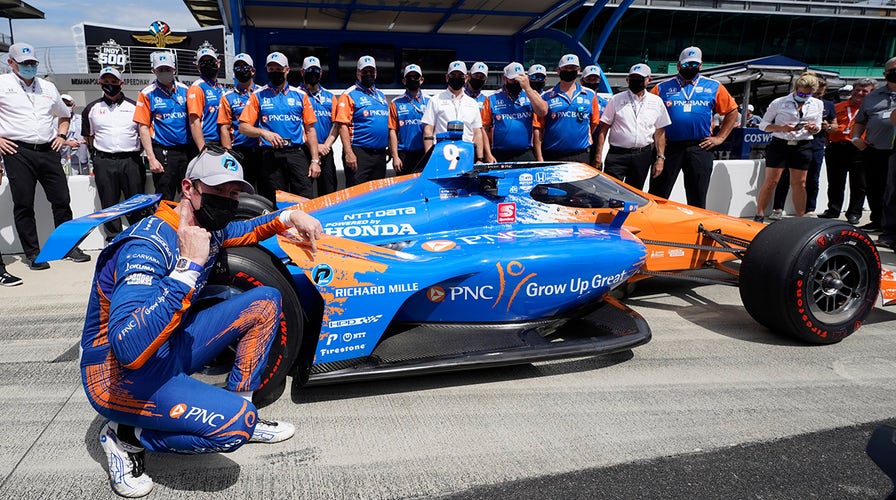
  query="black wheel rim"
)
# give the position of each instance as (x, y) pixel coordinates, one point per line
(838, 285)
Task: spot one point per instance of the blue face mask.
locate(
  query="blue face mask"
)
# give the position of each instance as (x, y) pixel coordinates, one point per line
(799, 99)
(27, 72)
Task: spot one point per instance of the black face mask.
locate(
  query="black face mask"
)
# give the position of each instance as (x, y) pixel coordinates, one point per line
(476, 84)
(312, 78)
(456, 83)
(368, 80)
(208, 71)
(890, 76)
(536, 86)
(242, 74)
(590, 85)
(111, 90)
(513, 88)
(215, 211)
(568, 75)
(412, 84)
(635, 84)
(276, 78)
(688, 73)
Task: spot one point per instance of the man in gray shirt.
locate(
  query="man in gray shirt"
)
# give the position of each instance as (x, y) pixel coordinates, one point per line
(873, 119)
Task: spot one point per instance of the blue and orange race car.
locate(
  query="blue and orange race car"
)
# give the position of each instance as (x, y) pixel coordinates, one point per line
(464, 265)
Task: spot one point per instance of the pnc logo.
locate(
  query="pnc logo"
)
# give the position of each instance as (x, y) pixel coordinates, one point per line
(177, 410)
(438, 245)
(435, 294)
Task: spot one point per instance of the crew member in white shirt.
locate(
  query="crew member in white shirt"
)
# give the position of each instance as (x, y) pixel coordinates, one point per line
(113, 136)
(636, 121)
(454, 105)
(792, 119)
(30, 144)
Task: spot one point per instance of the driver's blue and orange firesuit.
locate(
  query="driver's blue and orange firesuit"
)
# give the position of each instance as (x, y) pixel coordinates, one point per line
(141, 340)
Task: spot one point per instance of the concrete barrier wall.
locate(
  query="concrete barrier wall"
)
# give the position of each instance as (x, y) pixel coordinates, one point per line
(732, 191)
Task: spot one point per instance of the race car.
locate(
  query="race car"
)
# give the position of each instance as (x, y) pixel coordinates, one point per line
(465, 265)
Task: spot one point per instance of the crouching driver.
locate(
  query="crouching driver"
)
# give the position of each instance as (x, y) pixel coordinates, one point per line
(141, 340)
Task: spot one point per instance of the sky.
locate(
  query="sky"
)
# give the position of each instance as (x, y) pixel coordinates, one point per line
(54, 32)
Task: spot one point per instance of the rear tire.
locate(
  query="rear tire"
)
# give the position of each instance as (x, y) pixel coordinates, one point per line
(253, 205)
(243, 268)
(816, 280)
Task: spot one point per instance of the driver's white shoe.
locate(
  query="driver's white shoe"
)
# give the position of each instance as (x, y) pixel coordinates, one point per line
(125, 463)
(267, 431)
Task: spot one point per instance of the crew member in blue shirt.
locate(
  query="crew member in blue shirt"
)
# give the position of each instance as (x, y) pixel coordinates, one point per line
(507, 117)
(204, 99)
(691, 100)
(564, 133)
(161, 116)
(232, 104)
(324, 104)
(283, 118)
(362, 115)
(405, 122)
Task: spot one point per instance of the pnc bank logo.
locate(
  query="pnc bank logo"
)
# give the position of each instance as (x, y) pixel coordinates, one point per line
(177, 410)
(435, 294)
(208, 417)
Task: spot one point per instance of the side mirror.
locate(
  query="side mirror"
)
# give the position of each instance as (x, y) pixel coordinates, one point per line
(625, 208)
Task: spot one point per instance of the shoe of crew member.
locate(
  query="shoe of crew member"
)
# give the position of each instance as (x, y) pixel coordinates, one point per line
(36, 266)
(76, 255)
(267, 431)
(777, 214)
(7, 279)
(852, 219)
(125, 462)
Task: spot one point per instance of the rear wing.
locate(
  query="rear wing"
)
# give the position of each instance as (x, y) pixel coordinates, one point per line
(68, 235)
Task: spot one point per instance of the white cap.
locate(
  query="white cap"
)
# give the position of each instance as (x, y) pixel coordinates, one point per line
(750, 108)
(206, 52)
(514, 70)
(277, 58)
(479, 67)
(311, 62)
(640, 69)
(366, 62)
(110, 71)
(845, 88)
(457, 66)
(215, 169)
(412, 68)
(538, 69)
(66, 97)
(691, 54)
(568, 59)
(246, 58)
(21, 52)
(160, 59)
(590, 70)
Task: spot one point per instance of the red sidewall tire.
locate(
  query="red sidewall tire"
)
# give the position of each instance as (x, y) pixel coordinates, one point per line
(243, 268)
(811, 279)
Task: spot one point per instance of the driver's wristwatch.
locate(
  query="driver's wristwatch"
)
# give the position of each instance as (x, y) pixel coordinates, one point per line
(184, 264)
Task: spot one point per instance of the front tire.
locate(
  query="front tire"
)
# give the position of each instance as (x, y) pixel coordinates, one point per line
(243, 268)
(812, 279)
